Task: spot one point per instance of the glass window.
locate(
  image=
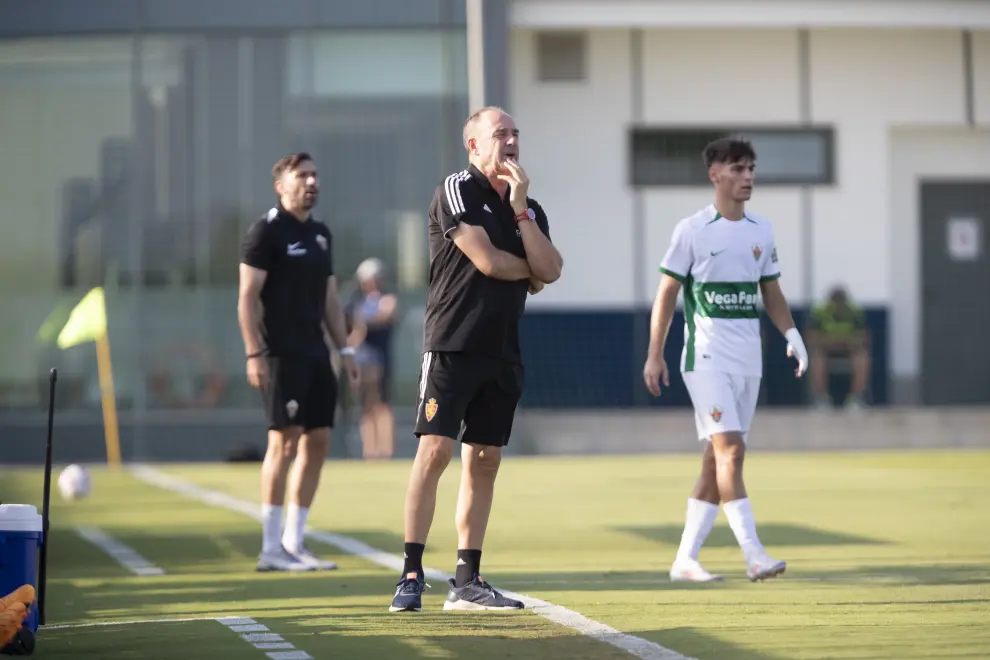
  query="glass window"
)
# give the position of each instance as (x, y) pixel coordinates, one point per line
(67, 136)
(381, 111)
(138, 164)
(673, 157)
(382, 114)
(374, 64)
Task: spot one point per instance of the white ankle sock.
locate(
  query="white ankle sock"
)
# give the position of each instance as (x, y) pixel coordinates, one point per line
(271, 527)
(740, 516)
(295, 523)
(697, 525)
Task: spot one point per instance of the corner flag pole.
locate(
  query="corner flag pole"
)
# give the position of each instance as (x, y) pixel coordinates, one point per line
(46, 502)
(111, 430)
(88, 322)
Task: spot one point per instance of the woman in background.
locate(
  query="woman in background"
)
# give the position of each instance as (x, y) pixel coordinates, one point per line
(374, 318)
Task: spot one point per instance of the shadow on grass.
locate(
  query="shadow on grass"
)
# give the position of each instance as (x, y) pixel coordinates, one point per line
(436, 634)
(345, 612)
(771, 534)
(337, 592)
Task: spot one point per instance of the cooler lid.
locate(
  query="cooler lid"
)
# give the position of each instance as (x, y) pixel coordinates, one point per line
(19, 518)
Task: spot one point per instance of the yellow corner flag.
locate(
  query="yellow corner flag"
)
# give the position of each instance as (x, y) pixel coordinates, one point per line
(88, 322)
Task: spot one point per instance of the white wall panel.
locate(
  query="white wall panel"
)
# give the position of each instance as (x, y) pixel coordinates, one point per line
(573, 145)
(863, 82)
(981, 77)
(710, 76)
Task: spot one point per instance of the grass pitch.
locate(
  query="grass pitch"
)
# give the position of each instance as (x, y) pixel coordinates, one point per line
(888, 557)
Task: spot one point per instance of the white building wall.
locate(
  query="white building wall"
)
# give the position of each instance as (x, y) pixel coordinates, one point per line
(573, 144)
(868, 84)
(716, 88)
(981, 77)
(865, 82)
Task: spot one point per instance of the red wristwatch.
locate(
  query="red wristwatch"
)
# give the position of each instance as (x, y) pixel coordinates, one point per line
(528, 214)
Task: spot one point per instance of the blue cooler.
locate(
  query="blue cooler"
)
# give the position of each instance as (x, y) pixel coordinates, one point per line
(20, 538)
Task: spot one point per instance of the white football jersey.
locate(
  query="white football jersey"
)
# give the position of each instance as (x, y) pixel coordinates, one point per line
(721, 263)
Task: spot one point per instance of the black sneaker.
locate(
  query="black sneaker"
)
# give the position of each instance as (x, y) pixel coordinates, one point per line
(409, 594)
(478, 595)
(22, 644)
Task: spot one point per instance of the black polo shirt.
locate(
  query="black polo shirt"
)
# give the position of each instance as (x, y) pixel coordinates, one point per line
(297, 257)
(467, 311)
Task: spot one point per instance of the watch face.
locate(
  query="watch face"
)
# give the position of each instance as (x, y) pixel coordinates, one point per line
(531, 213)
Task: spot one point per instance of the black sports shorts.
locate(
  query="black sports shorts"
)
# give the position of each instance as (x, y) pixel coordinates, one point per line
(301, 391)
(478, 391)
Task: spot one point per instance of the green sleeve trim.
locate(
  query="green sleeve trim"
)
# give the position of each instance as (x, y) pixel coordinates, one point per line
(680, 278)
(770, 278)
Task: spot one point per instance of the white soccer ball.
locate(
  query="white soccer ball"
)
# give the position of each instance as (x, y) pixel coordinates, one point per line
(74, 483)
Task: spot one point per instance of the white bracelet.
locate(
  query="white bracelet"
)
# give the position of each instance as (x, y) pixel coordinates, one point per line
(347, 350)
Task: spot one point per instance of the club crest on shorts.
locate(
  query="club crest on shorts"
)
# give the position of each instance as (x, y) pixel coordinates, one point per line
(292, 408)
(757, 251)
(716, 414)
(431, 409)
(322, 242)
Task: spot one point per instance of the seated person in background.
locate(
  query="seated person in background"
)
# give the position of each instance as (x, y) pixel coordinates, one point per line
(838, 332)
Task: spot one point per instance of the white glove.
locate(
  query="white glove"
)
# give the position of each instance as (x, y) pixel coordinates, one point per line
(797, 350)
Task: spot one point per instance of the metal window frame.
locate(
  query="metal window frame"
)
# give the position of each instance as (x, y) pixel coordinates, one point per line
(824, 131)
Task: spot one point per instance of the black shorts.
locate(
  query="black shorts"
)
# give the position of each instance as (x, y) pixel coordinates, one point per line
(301, 391)
(478, 391)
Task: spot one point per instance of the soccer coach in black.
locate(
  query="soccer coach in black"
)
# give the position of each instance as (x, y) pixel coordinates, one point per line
(288, 295)
(489, 246)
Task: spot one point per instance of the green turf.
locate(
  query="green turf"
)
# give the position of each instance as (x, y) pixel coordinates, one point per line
(888, 557)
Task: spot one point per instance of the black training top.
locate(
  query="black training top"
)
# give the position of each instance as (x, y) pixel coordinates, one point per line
(467, 311)
(298, 259)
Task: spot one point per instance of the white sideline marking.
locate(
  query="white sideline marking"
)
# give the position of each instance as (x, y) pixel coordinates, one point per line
(123, 554)
(263, 640)
(249, 627)
(637, 646)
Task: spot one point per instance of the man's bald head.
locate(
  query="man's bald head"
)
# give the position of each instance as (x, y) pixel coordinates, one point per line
(490, 137)
(480, 119)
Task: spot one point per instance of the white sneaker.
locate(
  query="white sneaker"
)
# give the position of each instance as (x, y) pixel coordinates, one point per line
(763, 566)
(854, 405)
(304, 556)
(281, 560)
(690, 570)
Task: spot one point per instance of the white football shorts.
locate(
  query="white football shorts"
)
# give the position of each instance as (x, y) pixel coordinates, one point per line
(722, 402)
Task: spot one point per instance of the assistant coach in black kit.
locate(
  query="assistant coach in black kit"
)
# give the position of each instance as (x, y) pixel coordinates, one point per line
(489, 246)
(287, 302)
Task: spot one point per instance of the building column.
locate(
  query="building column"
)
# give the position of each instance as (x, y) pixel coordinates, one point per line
(487, 53)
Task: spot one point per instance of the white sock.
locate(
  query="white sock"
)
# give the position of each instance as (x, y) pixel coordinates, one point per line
(740, 516)
(697, 525)
(271, 527)
(295, 523)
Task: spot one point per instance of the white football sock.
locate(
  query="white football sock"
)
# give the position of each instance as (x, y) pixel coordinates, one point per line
(697, 525)
(740, 516)
(295, 523)
(271, 527)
